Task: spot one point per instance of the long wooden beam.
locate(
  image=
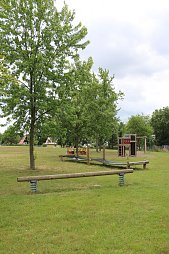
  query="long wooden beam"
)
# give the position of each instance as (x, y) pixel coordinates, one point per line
(73, 175)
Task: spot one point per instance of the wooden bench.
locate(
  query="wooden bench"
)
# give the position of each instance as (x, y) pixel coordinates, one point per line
(33, 179)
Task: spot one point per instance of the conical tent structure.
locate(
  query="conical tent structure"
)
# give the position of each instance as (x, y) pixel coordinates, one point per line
(49, 141)
(24, 140)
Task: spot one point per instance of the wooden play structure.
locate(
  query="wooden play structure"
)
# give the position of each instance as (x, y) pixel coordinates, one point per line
(128, 142)
(86, 158)
(139, 138)
(34, 179)
(72, 150)
(83, 154)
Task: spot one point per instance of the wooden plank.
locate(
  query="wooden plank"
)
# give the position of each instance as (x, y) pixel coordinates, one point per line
(144, 163)
(73, 175)
(139, 163)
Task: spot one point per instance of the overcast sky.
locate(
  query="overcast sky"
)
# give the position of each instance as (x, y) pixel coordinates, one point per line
(130, 38)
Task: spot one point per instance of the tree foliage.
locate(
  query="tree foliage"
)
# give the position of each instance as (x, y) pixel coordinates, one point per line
(141, 126)
(75, 96)
(5, 75)
(88, 104)
(37, 42)
(103, 120)
(11, 136)
(160, 124)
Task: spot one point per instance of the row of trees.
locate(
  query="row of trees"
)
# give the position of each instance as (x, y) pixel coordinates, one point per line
(155, 128)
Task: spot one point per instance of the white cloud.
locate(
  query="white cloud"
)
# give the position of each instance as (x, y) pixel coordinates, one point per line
(143, 94)
(130, 38)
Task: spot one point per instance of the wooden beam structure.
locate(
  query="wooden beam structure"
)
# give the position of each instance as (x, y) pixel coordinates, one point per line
(73, 175)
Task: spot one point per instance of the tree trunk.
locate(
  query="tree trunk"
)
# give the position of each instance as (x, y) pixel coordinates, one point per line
(31, 147)
(97, 145)
(77, 145)
(32, 124)
(100, 144)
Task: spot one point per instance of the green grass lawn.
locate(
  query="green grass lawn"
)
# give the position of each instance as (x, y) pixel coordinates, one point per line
(85, 215)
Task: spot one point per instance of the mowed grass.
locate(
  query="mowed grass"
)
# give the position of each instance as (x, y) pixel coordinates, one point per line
(84, 215)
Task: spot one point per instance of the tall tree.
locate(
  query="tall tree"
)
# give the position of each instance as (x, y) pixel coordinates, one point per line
(75, 97)
(88, 104)
(160, 124)
(140, 125)
(37, 42)
(103, 110)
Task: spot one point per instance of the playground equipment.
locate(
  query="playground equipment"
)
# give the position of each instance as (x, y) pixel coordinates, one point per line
(128, 141)
(88, 159)
(83, 154)
(72, 150)
(85, 157)
(145, 141)
(34, 179)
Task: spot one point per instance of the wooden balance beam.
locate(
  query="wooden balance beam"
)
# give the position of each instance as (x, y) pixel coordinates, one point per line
(88, 159)
(132, 163)
(33, 179)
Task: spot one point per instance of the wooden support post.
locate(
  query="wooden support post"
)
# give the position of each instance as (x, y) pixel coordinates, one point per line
(145, 144)
(124, 151)
(61, 157)
(88, 155)
(128, 164)
(104, 155)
